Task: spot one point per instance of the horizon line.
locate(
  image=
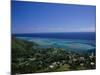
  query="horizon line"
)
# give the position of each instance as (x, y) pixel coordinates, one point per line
(52, 32)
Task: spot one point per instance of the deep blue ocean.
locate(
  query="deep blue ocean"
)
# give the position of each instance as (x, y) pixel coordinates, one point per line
(76, 41)
(70, 35)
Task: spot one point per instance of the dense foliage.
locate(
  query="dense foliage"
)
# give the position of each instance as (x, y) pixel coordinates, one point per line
(28, 57)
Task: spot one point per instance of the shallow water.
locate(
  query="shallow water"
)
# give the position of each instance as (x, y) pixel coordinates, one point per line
(62, 43)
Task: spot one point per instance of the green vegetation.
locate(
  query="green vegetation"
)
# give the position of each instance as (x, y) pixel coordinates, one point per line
(27, 57)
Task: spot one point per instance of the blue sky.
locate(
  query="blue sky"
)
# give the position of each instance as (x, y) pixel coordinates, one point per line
(36, 17)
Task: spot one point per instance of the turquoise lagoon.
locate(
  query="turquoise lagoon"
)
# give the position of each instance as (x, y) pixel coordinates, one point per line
(69, 44)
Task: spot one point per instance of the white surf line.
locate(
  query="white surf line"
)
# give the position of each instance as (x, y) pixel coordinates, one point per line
(80, 2)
